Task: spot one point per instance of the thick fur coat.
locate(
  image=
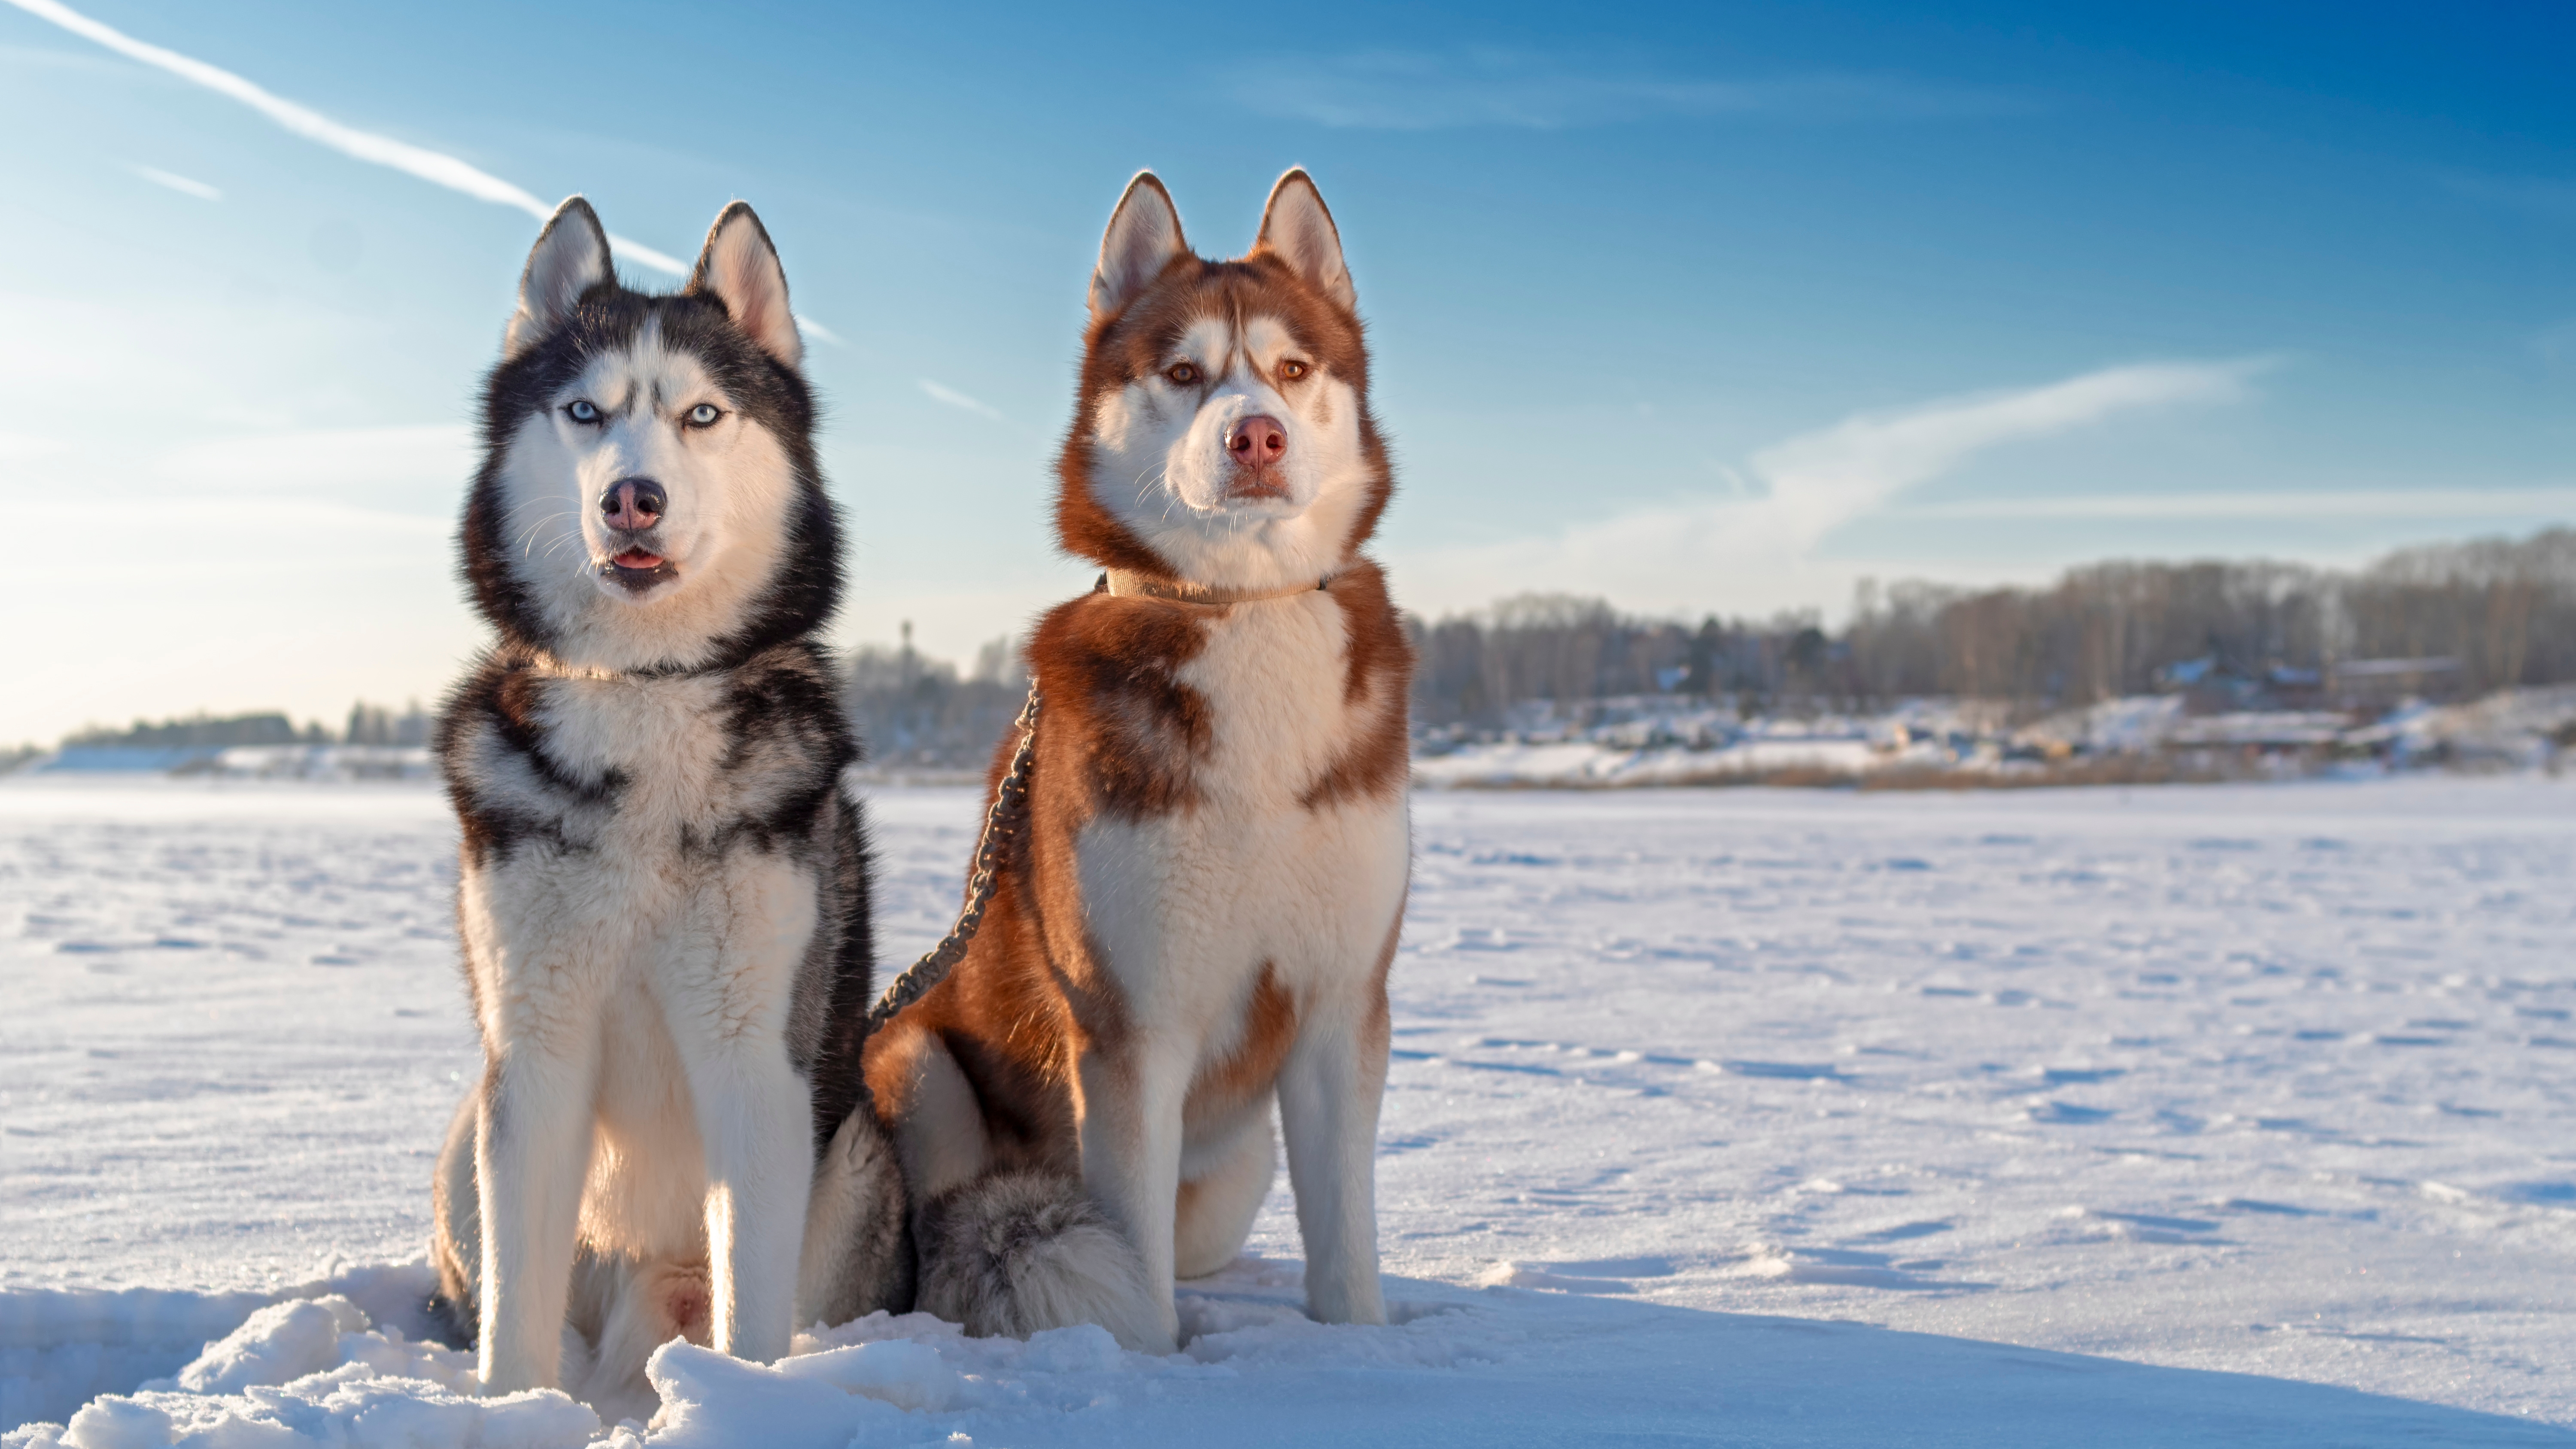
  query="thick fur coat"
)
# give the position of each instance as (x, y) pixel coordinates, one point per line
(1200, 917)
(663, 893)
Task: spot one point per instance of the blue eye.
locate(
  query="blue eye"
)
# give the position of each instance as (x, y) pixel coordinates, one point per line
(704, 415)
(583, 411)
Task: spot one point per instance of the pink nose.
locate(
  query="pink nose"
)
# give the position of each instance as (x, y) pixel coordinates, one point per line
(633, 504)
(1257, 442)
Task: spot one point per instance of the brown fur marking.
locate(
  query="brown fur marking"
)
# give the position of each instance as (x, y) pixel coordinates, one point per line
(1230, 1083)
(1378, 1032)
(1378, 763)
(1109, 668)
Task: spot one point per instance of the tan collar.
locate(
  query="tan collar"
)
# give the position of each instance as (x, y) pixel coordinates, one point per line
(1128, 584)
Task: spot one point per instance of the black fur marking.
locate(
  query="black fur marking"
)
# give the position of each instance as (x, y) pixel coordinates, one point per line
(495, 700)
(840, 1088)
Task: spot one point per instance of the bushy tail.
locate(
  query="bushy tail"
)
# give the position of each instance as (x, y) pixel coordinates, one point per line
(1012, 1253)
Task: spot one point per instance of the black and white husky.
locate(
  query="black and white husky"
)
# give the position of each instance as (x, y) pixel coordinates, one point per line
(664, 895)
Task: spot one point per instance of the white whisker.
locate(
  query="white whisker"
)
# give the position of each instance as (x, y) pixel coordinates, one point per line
(528, 535)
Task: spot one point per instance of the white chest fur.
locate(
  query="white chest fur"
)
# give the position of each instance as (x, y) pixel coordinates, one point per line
(664, 739)
(635, 889)
(1189, 907)
(1274, 676)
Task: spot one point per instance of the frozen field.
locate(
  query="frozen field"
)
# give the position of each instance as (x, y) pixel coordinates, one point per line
(1746, 1116)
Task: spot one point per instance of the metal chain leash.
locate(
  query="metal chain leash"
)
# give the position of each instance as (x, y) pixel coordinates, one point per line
(1002, 821)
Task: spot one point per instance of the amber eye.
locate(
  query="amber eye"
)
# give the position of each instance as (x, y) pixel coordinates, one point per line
(1183, 373)
(1292, 369)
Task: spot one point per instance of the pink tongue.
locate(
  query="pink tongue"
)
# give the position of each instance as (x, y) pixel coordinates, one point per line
(636, 558)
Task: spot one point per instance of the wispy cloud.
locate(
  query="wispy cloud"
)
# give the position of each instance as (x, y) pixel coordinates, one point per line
(1757, 549)
(1419, 91)
(956, 399)
(1822, 480)
(2463, 503)
(185, 186)
(434, 167)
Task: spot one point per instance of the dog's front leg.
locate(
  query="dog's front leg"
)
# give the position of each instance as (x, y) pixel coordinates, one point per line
(754, 1112)
(753, 1115)
(1131, 1160)
(1328, 1103)
(532, 1145)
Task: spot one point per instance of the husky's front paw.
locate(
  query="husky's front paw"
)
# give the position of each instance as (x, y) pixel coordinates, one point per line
(1346, 1302)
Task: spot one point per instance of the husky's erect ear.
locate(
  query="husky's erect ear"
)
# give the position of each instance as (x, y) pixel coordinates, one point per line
(1296, 228)
(570, 258)
(739, 268)
(1144, 235)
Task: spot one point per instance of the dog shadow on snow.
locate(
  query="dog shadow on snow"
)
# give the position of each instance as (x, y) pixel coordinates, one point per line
(1554, 1356)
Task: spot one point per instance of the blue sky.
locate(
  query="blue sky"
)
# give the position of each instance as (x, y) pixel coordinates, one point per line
(1717, 308)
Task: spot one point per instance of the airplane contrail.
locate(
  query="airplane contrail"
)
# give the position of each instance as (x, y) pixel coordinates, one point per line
(185, 185)
(434, 167)
(956, 399)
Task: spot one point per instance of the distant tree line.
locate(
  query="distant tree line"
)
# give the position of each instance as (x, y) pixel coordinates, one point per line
(2480, 616)
(2462, 618)
(369, 724)
(375, 724)
(200, 731)
(917, 713)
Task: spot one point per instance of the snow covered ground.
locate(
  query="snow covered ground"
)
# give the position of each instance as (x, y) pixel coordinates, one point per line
(1757, 1117)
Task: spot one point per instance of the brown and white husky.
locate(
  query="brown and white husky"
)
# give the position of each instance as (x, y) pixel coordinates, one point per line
(1200, 914)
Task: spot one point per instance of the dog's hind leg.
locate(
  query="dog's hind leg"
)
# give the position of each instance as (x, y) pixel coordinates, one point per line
(1215, 1210)
(938, 1124)
(456, 1232)
(639, 1305)
(858, 1256)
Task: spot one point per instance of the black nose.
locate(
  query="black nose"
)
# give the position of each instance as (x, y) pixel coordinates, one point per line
(633, 503)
